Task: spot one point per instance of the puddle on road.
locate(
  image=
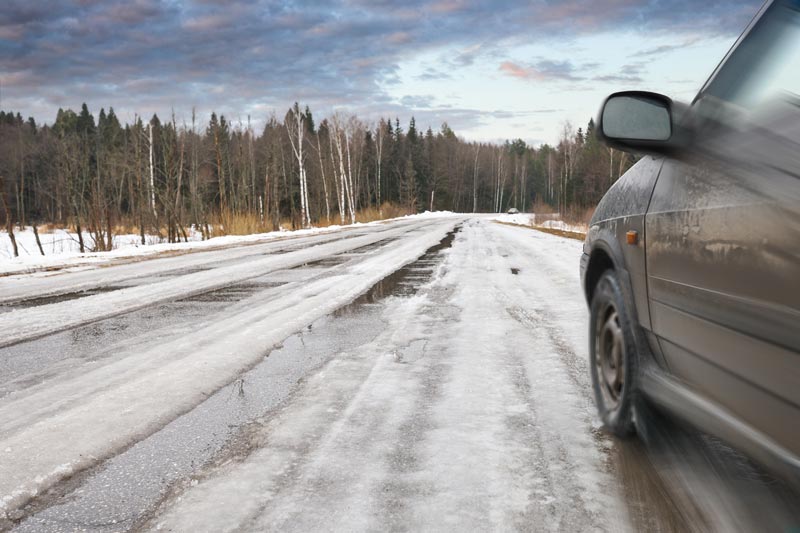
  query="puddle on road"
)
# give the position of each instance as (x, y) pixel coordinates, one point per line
(118, 494)
(327, 262)
(233, 293)
(407, 280)
(168, 274)
(57, 298)
(343, 257)
(74, 295)
(40, 359)
(186, 271)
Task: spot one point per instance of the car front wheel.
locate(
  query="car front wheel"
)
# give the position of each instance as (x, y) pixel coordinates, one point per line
(613, 356)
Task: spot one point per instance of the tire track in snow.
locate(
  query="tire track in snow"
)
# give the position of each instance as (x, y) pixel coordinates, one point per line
(558, 402)
(57, 430)
(457, 417)
(27, 324)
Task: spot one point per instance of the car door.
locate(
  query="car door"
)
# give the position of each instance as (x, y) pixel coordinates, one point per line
(723, 246)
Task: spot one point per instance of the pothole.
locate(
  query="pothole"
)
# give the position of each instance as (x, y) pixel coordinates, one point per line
(54, 299)
(233, 293)
(327, 262)
(407, 280)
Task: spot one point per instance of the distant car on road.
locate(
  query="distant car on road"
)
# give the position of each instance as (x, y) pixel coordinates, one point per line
(513, 211)
(691, 264)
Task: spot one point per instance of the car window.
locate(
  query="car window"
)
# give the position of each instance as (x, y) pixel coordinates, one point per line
(766, 63)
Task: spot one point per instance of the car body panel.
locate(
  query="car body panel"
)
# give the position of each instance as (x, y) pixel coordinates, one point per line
(723, 267)
(717, 284)
(623, 209)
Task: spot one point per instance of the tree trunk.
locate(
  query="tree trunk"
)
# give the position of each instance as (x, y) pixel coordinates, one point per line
(38, 241)
(9, 223)
(81, 244)
(109, 235)
(475, 181)
(324, 182)
(152, 175)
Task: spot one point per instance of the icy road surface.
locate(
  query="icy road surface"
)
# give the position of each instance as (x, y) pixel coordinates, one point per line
(424, 374)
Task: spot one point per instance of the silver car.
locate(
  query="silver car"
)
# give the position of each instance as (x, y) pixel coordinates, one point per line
(691, 265)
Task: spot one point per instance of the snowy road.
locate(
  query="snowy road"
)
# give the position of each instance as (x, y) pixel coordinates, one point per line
(424, 374)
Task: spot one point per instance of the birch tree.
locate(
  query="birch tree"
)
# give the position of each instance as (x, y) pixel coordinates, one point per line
(295, 123)
(342, 140)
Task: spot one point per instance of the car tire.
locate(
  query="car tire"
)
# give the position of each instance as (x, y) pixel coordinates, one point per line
(613, 357)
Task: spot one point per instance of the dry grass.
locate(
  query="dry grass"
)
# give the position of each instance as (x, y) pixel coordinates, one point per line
(246, 223)
(540, 207)
(229, 223)
(387, 210)
(333, 221)
(47, 228)
(577, 216)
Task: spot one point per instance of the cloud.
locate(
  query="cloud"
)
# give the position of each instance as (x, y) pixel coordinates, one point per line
(629, 73)
(665, 48)
(152, 55)
(614, 78)
(432, 73)
(544, 70)
(467, 56)
(419, 101)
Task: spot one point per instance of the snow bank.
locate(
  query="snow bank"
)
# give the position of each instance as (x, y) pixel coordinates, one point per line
(522, 219)
(563, 226)
(549, 221)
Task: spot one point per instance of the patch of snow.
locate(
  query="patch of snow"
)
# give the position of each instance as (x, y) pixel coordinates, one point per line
(563, 226)
(521, 219)
(62, 249)
(84, 417)
(544, 221)
(21, 324)
(470, 411)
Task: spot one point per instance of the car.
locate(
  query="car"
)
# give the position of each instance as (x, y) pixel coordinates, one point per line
(513, 211)
(691, 264)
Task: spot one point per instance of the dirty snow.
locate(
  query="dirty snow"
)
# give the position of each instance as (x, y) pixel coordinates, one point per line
(561, 225)
(40, 320)
(520, 219)
(62, 249)
(86, 414)
(470, 412)
(543, 221)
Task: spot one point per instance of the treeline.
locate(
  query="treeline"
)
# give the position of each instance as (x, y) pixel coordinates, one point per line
(98, 175)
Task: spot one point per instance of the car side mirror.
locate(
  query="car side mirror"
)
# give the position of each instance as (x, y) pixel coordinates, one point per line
(637, 121)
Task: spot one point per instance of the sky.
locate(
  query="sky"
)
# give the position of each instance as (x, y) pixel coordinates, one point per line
(492, 70)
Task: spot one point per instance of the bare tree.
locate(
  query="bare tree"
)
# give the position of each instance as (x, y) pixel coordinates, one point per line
(475, 180)
(296, 128)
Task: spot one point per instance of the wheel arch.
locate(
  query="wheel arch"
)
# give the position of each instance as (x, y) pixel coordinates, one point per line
(599, 261)
(606, 254)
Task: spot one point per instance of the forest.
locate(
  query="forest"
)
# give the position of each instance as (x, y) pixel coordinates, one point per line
(101, 177)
